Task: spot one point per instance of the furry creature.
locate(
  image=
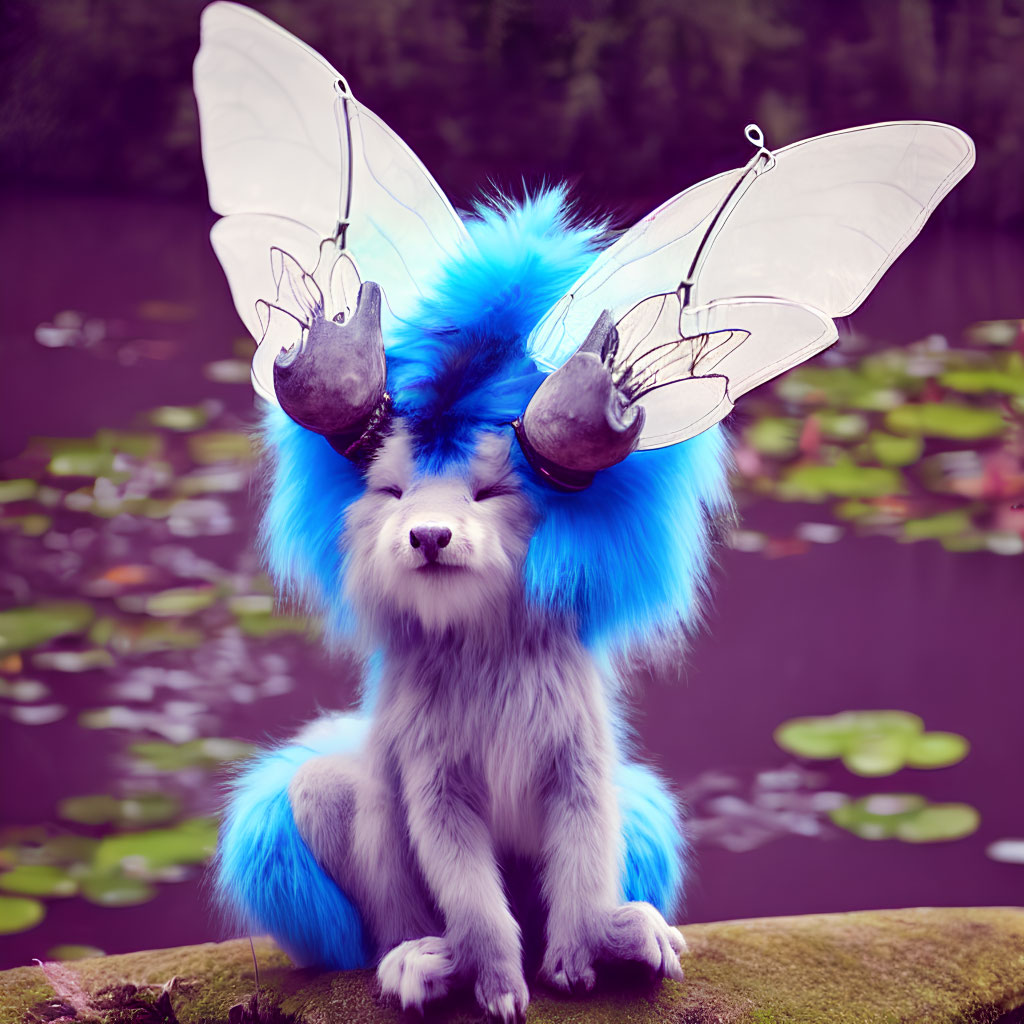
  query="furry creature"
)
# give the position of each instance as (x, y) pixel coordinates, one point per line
(494, 461)
(489, 738)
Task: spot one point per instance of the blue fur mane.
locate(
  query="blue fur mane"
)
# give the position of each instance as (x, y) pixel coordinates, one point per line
(463, 365)
(624, 558)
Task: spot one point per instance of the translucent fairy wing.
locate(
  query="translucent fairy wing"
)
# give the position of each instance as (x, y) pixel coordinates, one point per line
(244, 243)
(402, 225)
(282, 135)
(269, 120)
(280, 274)
(686, 367)
(782, 334)
(825, 223)
(818, 227)
(651, 257)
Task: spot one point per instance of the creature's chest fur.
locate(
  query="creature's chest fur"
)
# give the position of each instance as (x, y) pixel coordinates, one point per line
(504, 718)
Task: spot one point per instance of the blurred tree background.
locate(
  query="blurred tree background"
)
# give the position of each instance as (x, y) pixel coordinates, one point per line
(637, 98)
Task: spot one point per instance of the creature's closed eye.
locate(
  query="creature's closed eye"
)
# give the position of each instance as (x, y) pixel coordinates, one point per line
(395, 492)
(493, 491)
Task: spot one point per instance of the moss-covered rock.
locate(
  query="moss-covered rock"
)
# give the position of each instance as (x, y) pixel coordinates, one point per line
(933, 966)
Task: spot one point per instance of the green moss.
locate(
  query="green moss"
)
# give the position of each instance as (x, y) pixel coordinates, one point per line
(933, 966)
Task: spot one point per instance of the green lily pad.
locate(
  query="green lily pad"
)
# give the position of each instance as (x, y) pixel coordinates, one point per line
(152, 508)
(140, 444)
(74, 661)
(997, 333)
(842, 426)
(207, 753)
(854, 509)
(251, 604)
(22, 628)
(94, 461)
(937, 750)
(19, 913)
(845, 387)
(260, 624)
(877, 816)
(845, 479)
(939, 823)
(776, 436)
(148, 809)
(946, 524)
(67, 849)
(901, 722)
(17, 490)
(73, 951)
(38, 880)
(181, 601)
(180, 418)
(106, 718)
(100, 808)
(876, 754)
(228, 371)
(212, 480)
(905, 816)
(191, 842)
(965, 542)
(33, 525)
(871, 743)
(116, 890)
(97, 809)
(975, 381)
(814, 738)
(102, 631)
(946, 420)
(159, 635)
(221, 446)
(892, 450)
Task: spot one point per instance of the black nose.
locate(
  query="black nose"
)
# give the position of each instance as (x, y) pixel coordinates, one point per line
(430, 538)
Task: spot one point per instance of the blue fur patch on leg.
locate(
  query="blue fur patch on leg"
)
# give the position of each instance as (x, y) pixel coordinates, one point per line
(267, 877)
(655, 846)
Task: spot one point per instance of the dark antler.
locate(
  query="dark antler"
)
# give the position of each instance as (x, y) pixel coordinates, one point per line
(333, 382)
(578, 421)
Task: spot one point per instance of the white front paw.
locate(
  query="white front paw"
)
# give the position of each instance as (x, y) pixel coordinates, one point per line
(501, 991)
(569, 966)
(636, 931)
(417, 972)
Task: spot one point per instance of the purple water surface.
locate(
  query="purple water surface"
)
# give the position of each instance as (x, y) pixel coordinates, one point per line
(863, 623)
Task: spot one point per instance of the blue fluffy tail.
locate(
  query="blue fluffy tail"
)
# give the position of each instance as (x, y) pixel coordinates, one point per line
(267, 877)
(655, 845)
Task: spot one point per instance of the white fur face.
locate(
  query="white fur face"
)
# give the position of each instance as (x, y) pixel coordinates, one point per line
(447, 549)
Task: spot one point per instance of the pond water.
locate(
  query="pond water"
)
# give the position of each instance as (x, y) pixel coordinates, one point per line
(118, 328)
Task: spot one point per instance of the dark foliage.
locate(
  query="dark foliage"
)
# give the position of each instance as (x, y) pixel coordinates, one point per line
(637, 99)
